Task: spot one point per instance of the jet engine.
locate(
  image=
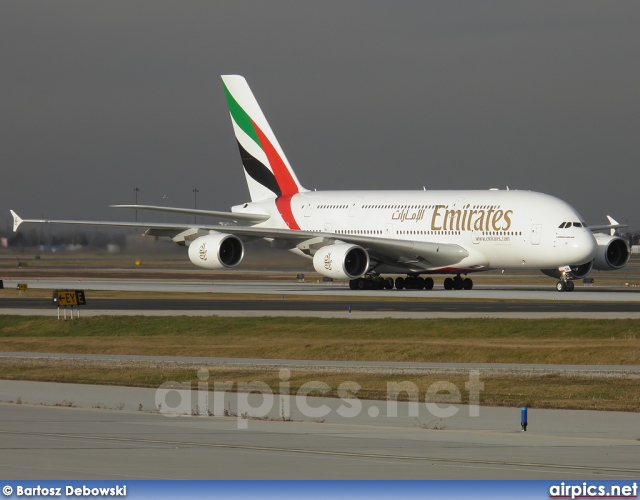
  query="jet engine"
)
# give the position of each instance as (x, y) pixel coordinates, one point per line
(216, 251)
(612, 253)
(341, 261)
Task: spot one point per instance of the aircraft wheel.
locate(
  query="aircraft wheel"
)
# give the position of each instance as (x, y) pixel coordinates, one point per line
(457, 283)
(388, 283)
(377, 283)
(419, 283)
(409, 283)
(570, 286)
(561, 286)
(400, 283)
(353, 284)
(467, 284)
(364, 284)
(448, 284)
(428, 283)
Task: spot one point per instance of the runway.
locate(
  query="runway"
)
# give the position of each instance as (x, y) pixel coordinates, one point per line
(329, 305)
(115, 433)
(279, 288)
(304, 299)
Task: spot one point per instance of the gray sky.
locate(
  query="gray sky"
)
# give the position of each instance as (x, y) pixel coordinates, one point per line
(97, 98)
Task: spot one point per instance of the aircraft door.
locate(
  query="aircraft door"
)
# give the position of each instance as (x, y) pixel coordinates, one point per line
(354, 207)
(536, 229)
(309, 208)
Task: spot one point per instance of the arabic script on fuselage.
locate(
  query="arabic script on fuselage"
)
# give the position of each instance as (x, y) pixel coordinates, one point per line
(444, 219)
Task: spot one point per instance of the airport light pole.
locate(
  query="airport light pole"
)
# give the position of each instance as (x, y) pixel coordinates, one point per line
(195, 204)
(136, 190)
(165, 198)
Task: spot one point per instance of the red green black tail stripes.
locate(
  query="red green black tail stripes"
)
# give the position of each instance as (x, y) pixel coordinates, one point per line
(258, 172)
(261, 155)
(255, 168)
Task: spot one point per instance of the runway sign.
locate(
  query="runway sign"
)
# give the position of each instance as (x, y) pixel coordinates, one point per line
(64, 298)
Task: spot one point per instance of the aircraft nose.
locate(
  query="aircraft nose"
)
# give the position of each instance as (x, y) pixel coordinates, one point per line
(586, 246)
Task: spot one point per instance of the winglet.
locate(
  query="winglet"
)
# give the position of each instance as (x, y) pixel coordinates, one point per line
(16, 220)
(613, 222)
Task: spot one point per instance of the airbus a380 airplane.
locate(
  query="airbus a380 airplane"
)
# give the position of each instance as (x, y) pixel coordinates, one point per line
(361, 235)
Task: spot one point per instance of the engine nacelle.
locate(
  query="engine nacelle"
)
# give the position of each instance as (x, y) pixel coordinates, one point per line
(341, 261)
(612, 253)
(216, 251)
(577, 272)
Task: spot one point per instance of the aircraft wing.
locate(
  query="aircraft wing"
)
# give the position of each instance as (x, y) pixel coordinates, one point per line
(384, 250)
(17, 220)
(404, 253)
(235, 216)
(613, 225)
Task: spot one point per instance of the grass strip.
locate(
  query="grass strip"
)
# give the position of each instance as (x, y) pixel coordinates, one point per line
(554, 341)
(544, 391)
(546, 341)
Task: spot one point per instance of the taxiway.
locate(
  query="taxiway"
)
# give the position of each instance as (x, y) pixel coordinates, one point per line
(78, 431)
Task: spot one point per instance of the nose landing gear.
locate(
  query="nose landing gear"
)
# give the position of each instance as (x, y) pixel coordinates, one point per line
(565, 284)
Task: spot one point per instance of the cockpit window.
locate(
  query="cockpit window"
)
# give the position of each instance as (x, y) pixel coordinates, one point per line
(569, 224)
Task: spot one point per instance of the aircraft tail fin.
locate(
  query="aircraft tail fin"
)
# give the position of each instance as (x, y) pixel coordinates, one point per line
(269, 174)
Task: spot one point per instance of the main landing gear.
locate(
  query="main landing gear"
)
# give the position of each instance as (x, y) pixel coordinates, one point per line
(457, 283)
(414, 283)
(411, 282)
(371, 283)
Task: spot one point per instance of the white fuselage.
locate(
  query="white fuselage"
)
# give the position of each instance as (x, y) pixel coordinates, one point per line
(499, 229)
